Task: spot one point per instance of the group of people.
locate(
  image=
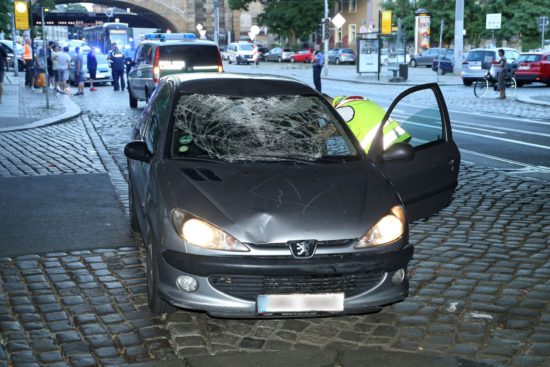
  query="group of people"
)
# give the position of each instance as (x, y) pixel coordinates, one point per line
(59, 62)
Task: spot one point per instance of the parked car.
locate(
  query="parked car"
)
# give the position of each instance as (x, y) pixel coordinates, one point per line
(479, 61)
(533, 67)
(8, 47)
(248, 211)
(103, 71)
(341, 56)
(223, 52)
(302, 56)
(162, 54)
(396, 56)
(240, 53)
(279, 54)
(426, 58)
(262, 51)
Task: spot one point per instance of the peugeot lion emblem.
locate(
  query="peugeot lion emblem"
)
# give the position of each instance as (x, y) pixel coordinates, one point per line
(302, 249)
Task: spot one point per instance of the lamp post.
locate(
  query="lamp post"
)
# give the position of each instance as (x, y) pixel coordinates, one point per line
(216, 21)
(13, 35)
(325, 47)
(44, 57)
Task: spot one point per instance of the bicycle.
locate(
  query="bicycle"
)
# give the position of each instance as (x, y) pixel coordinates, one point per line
(481, 86)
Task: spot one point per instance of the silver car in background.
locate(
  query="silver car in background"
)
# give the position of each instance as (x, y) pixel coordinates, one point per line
(341, 56)
(479, 61)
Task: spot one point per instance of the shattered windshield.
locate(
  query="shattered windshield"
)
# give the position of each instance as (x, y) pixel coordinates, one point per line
(257, 128)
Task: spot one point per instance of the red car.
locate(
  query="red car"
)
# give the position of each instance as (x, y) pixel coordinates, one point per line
(302, 56)
(533, 67)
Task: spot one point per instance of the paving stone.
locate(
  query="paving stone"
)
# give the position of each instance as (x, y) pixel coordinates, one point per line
(50, 357)
(126, 340)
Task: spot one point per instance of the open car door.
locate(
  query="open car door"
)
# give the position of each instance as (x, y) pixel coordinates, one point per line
(414, 148)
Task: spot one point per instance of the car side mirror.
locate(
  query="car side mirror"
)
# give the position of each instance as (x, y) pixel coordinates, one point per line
(398, 152)
(137, 150)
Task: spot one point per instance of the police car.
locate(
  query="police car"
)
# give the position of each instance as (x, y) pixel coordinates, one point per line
(255, 199)
(162, 54)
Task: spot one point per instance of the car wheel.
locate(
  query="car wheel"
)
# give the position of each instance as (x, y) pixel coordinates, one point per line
(156, 304)
(467, 82)
(280, 59)
(132, 204)
(133, 101)
(337, 61)
(292, 60)
(413, 63)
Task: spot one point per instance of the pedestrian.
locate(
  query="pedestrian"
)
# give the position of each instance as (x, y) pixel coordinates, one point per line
(3, 68)
(51, 74)
(63, 62)
(501, 74)
(255, 56)
(78, 71)
(318, 62)
(129, 55)
(27, 59)
(92, 68)
(117, 66)
(55, 76)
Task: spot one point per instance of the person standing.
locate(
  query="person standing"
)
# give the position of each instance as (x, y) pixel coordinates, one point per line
(501, 74)
(3, 68)
(117, 66)
(51, 77)
(27, 59)
(318, 62)
(63, 62)
(55, 76)
(129, 55)
(92, 68)
(78, 70)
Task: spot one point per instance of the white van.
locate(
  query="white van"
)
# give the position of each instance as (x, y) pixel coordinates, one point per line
(240, 53)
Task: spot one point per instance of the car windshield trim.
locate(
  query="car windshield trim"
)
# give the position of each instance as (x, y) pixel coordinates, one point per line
(237, 128)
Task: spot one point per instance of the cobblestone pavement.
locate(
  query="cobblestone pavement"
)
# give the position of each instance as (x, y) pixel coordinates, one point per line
(458, 97)
(480, 281)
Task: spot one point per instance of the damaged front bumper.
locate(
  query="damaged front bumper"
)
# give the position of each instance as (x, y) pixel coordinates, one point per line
(230, 286)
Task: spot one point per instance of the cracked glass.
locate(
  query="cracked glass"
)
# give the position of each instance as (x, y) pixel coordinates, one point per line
(258, 129)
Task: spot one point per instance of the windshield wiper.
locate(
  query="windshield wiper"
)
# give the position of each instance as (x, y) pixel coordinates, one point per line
(279, 158)
(337, 158)
(198, 159)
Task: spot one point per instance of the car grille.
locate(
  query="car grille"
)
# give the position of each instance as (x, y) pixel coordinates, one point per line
(250, 287)
(285, 244)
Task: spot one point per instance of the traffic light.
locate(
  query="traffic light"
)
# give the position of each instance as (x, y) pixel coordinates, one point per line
(21, 12)
(327, 29)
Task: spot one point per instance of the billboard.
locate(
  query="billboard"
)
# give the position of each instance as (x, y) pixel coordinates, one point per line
(422, 33)
(368, 54)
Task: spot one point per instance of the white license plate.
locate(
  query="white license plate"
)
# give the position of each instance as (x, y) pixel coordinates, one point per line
(523, 67)
(291, 303)
(475, 67)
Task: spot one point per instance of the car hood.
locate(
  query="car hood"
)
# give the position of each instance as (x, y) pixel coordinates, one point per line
(274, 203)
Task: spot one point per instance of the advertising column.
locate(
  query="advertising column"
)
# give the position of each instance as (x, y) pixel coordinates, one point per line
(421, 31)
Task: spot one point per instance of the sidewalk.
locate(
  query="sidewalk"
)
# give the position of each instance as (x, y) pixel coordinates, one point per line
(23, 108)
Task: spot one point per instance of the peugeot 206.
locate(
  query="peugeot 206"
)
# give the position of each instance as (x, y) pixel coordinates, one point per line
(254, 199)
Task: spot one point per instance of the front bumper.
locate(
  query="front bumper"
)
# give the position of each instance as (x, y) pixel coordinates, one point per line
(229, 285)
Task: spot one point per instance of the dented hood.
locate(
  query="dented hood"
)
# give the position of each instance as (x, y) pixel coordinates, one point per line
(276, 202)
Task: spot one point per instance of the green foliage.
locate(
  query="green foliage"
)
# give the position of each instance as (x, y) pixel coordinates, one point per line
(5, 16)
(290, 18)
(519, 19)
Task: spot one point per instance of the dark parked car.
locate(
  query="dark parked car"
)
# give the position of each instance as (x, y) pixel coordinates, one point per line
(254, 199)
(533, 67)
(18, 55)
(279, 54)
(341, 56)
(262, 51)
(426, 58)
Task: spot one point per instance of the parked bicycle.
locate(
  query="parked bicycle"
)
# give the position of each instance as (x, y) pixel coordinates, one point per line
(481, 86)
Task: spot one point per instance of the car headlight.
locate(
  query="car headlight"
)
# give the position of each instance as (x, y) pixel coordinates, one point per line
(199, 233)
(387, 230)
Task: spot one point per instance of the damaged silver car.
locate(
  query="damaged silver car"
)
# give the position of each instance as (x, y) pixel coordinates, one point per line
(254, 199)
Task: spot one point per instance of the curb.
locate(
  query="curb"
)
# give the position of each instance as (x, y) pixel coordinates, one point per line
(378, 82)
(71, 111)
(532, 101)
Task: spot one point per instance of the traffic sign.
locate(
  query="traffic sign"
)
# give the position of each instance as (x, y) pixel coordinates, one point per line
(338, 20)
(493, 21)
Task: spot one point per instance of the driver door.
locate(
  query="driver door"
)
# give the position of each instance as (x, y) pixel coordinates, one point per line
(427, 177)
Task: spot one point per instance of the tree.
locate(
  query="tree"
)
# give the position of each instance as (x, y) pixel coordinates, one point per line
(5, 16)
(290, 18)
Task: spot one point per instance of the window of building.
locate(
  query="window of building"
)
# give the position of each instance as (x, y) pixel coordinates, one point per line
(352, 32)
(338, 35)
(352, 6)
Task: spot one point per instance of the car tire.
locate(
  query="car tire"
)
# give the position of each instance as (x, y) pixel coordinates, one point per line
(133, 101)
(280, 59)
(134, 225)
(413, 63)
(337, 61)
(520, 84)
(156, 304)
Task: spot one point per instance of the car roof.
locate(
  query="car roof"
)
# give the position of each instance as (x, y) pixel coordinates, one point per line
(239, 85)
(493, 49)
(180, 42)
